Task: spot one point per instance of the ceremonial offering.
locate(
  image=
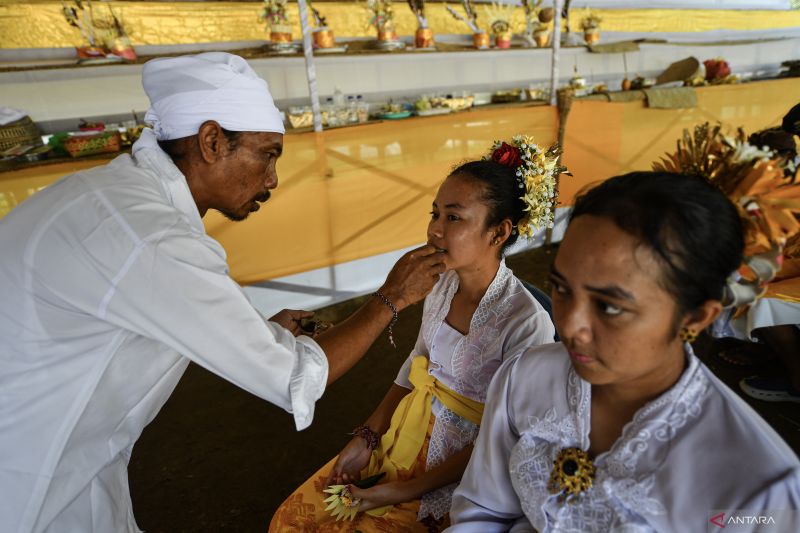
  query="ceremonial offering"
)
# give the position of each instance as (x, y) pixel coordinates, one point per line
(278, 25)
(22, 132)
(718, 72)
(499, 16)
(763, 186)
(504, 97)
(423, 38)
(432, 106)
(536, 19)
(106, 36)
(459, 103)
(342, 503)
(78, 145)
(322, 34)
(394, 115)
(590, 25)
(300, 117)
(480, 38)
(382, 19)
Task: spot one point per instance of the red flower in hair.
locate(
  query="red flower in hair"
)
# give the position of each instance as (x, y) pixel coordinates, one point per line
(507, 155)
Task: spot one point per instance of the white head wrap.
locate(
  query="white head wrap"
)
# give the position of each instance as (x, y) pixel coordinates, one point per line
(186, 91)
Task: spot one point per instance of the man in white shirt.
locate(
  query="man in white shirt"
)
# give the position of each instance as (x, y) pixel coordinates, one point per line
(110, 286)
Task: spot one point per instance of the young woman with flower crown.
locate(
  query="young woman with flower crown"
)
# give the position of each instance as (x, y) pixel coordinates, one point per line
(478, 314)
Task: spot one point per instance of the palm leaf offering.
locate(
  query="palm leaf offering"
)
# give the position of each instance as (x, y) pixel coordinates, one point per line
(754, 178)
(341, 502)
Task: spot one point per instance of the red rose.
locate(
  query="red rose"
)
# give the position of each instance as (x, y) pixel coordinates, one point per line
(507, 155)
(716, 69)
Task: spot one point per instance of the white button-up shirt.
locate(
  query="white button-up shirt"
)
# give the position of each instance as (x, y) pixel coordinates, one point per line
(109, 287)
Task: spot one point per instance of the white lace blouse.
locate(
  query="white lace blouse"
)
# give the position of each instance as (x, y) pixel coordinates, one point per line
(694, 452)
(507, 321)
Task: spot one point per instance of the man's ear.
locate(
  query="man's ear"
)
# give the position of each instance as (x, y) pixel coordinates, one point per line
(212, 142)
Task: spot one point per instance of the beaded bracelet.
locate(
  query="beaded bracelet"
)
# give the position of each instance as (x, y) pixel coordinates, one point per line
(368, 435)
(386, 301)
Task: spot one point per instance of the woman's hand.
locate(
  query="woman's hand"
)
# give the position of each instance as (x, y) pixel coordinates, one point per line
(352, 460)
(390, 493)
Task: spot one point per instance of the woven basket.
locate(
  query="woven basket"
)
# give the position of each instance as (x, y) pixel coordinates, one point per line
(22, 131)
(80, 145)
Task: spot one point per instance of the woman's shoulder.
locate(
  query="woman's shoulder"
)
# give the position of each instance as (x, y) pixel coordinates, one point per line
(538, 369)
(720, 438)
(737, 425)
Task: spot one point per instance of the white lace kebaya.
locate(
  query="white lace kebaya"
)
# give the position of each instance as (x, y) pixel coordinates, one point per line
(695, 449)
(507, 321)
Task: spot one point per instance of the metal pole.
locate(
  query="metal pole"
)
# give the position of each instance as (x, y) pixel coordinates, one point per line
(557, 5)
(311, 71)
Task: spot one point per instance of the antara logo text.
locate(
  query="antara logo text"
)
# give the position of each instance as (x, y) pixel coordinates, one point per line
(720, 520)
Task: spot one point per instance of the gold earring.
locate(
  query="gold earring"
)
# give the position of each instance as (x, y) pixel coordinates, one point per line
(496, 242)
(688, 335)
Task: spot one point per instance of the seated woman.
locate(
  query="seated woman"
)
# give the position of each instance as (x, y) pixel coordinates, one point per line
(478, 314)
(620, 427)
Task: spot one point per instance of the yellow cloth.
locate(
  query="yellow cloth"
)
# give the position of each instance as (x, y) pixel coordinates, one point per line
(400, 445)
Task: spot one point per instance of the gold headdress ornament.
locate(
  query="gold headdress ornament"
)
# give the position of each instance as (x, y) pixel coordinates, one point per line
(537, 170)
(754, 180)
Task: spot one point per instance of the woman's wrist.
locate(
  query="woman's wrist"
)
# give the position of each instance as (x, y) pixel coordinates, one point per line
(371, 438)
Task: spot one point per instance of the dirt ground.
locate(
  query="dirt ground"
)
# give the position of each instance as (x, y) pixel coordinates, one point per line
(217, 458)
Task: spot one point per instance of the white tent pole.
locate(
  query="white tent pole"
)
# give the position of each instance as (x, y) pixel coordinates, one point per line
(311, 71)
(557, 5)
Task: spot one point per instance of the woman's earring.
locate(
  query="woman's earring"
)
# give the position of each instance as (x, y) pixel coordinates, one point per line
(688, 335)
(496, 242)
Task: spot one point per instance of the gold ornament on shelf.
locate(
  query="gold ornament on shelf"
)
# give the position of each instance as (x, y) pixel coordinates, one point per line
(591, 28)
(382, 19)
(573, 473)
(423, 38)
(322, 35)
(499, 16)
(106, 35)
(277, 22)
(480, 38)
(537, 31)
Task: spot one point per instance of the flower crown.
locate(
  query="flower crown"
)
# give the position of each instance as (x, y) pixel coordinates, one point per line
(536, 170)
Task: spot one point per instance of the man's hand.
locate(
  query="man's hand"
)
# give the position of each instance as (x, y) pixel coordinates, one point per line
(290, 319)
(413, 276)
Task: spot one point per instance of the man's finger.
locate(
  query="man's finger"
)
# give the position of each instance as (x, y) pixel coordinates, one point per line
(422, 251)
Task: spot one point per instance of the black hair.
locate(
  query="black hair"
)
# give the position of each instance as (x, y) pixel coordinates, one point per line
(501, 192)
(693, 229)
(176, 148)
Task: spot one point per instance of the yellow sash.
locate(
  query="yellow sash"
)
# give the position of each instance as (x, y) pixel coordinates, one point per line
(400, 446)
